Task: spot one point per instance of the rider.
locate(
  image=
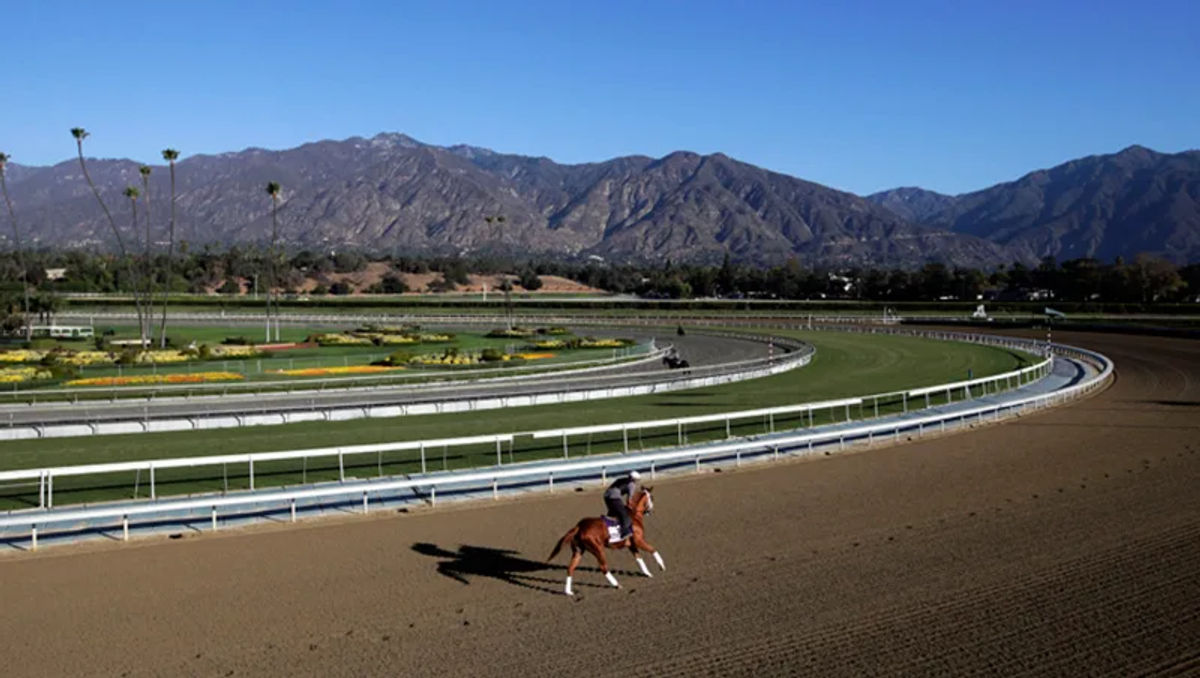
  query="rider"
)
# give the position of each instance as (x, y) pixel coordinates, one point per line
(617, 498)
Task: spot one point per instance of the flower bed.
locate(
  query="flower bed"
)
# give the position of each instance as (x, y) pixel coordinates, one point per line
(21, 356)
(550, 343)
(393, 339)
(341, 340)
(152, 379)
(335, 371)
(86, 358)
(160, 357)
(459, 359)
(16, 375)
(605, 343)
(233, 351)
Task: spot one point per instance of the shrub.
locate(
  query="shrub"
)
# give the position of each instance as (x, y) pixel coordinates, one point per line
(128, 356)
(392, 284)
(530, 280)
(236, 341)
(491, 355)
(399, 358)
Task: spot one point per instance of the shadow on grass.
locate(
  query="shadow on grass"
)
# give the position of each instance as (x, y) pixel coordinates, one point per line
(503, 565)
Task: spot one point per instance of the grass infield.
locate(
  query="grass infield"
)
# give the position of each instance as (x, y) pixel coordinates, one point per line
(845, 365)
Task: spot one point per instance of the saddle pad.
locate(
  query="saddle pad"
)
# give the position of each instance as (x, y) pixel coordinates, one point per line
(614, 529)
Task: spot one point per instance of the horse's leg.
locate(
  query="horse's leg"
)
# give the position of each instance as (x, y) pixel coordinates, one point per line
(576, 556)
(645, 546)
(598, 551)
(633, 548)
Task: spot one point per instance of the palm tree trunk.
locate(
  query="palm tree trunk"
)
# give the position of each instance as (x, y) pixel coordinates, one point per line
(162, 332)
(137, 300)
(12, 214)
(148, 330)
(137, 288)
(271, 263)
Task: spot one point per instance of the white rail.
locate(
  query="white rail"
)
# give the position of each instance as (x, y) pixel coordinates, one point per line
(45, 476)
(775, 445)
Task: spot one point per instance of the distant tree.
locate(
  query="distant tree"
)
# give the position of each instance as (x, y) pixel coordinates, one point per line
(132, 193)
(230, 286)
(1156, 277)
(80, 134)
(340, 288)
(170, 155)
(17, 245)
(273, 190)
(530, 280)
(147, 262)
(393, 284)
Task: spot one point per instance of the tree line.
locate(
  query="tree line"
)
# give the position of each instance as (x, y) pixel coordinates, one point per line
(254, 269)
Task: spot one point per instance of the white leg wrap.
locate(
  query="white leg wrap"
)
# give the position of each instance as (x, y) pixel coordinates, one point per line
(569, 591)
(658, 559)
(642, 564)
(611, 579)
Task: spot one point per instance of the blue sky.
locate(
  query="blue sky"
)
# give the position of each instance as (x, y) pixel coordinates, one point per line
(862, 96)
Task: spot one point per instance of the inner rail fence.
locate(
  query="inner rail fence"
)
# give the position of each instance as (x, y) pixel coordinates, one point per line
(557, 388)
(362, 493)
(92, 480)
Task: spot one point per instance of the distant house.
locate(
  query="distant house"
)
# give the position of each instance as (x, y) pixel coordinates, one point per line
(53, 274)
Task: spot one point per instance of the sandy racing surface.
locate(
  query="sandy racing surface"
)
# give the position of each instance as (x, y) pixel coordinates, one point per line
(1067, 542)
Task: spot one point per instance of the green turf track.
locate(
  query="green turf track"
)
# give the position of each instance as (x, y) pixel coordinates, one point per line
(845, 365)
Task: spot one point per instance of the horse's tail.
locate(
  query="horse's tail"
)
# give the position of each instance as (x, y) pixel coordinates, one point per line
(565, 538)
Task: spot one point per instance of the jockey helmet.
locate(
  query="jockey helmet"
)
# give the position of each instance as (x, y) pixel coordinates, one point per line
(635, 475)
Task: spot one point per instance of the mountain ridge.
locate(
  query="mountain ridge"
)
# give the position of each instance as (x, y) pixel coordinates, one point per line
(391, 192)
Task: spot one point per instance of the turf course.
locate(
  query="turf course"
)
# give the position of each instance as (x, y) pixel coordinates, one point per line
(845, 365)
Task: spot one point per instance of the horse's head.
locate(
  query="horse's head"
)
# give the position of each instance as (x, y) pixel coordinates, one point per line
(645, 501)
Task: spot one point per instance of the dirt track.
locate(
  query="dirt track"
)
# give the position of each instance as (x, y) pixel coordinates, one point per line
(1063, 543)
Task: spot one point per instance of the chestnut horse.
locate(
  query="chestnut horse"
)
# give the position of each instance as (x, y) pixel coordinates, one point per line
(591, 535)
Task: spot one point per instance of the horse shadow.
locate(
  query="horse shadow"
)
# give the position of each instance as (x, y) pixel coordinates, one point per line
(470, 562)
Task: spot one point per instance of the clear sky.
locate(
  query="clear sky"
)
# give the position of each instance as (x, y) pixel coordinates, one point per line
(952, 96)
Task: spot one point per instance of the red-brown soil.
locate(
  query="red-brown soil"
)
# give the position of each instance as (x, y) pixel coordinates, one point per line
(1063, 543)
(418, 283)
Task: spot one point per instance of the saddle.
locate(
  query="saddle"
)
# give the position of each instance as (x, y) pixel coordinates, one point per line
(614, 529)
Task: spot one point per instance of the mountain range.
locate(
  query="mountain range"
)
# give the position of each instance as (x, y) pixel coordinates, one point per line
(391, 193)
(1101, 206)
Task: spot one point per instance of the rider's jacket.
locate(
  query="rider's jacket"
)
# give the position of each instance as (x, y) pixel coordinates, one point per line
(622, 488)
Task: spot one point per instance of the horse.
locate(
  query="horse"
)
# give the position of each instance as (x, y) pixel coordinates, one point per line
(591, 535)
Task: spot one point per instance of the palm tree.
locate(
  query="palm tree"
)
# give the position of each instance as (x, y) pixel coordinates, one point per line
(148, 266)
(16, 244)
(133, 193)
(80, 134)
(505, 283)
(170, 155)
(273, 191)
